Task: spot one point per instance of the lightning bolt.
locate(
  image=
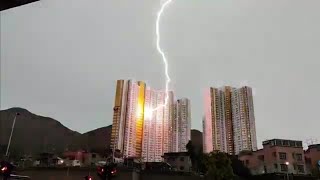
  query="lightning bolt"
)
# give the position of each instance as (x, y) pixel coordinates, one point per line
(160, 51)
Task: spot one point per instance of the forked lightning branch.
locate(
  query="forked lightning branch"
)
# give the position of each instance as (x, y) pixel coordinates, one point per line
(160, 50)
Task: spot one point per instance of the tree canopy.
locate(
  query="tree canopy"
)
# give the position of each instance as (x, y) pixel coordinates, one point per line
(216, 165)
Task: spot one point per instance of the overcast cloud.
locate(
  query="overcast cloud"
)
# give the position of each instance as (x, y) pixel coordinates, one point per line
(61, 58)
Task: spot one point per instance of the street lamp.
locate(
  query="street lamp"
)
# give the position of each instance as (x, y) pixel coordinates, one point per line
(287, 163)
(12, 128)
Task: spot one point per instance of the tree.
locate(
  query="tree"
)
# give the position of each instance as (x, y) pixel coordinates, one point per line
(239, 168)
(196, 157)
(218, 166)
(201, 166)
(191, 153)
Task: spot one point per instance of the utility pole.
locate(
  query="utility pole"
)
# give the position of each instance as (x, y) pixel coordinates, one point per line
(12, 128)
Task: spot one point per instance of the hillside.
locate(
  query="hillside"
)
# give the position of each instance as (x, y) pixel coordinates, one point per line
(97, 140)
(34, 134)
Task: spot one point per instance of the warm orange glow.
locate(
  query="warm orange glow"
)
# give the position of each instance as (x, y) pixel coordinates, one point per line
(139, 112)
(140, 117)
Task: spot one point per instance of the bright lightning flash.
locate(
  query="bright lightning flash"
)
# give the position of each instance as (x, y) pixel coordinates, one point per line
(164, 59)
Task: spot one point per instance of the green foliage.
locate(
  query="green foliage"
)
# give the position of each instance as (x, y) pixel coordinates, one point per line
(239, 169)
(196, 156)
(201, 159)
(218, 166)
(190, 148)
(191, 152)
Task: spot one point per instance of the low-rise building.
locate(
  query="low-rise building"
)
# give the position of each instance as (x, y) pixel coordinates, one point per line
(46, 159)
(277, 156)
(85, 158)
(312, 157)
(179, 161)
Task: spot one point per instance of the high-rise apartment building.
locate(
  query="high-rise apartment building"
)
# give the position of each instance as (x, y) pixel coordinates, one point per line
(119, 110)
(243, 120)
(127, 126)
(143, 127)
(215, 128)
(228, 119)
(229, 124)
(181, 129)
(156, 133)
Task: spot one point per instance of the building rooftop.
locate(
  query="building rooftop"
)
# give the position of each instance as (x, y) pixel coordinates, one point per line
(313, 146)
(283, 143)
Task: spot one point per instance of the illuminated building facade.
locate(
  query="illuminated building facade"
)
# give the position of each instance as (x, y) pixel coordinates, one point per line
(181, 125)
(156, 134)
(139, 130)
(119, 115)
(214, 127)
(128, 116)
(229, 123)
